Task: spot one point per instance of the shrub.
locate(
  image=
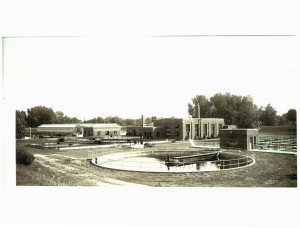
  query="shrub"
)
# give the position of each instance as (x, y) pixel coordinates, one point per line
(23, 157)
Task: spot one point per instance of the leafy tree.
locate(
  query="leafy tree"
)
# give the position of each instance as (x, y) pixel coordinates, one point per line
(225, 106)
(237, 110)
(138, 122)
(148, 120)
(281, 121)
(291, 117)
(205, 106)
(100, 120)
(91, 121)
(129, 122)
(70, 120)
(39, 115)
(113, 119)
(59, 117)
(268, 116)
(247, 114)
(20, 124)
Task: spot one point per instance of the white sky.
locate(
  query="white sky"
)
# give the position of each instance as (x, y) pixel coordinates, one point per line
(134, 75)
(116, 72)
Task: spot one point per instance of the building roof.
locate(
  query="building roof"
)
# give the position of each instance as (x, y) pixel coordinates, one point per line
(83, 125)
(240, 129)
(212, 119)
(189, 119)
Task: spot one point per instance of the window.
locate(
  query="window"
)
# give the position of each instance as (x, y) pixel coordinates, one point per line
(107, 133)
(205, 129)
(177, 130)
(188, 127)
(197, 129)
(212, 129)
(115, 132)
(168, 130)
(98, 132)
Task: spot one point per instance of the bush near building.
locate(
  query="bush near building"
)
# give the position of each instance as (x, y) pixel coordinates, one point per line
(23, 157)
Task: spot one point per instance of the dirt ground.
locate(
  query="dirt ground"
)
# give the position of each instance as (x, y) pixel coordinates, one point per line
(55, 168)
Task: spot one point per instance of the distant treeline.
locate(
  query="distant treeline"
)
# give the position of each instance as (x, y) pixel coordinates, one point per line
(283, 130)
(241, 111)
(39, 115)
(236, 110)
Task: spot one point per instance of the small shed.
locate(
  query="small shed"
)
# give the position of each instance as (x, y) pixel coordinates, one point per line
(239, 138)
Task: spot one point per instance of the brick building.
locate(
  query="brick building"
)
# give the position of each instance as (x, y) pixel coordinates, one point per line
(179, 128)
(239, 138)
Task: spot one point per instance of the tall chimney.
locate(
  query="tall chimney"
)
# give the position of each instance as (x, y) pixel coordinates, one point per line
(143, 123)
(197, 110)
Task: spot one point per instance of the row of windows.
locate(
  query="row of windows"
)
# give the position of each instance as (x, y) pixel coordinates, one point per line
(188, 128)
(107, 132)
(168, 130)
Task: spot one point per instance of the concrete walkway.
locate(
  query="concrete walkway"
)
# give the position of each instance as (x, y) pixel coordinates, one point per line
(275, 151)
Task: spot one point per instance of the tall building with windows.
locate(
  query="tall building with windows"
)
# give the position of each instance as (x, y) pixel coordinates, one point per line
(180, 128)
(190, 128)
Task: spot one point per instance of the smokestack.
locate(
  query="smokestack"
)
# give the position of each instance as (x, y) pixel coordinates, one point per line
(143, 123)
(197, 111)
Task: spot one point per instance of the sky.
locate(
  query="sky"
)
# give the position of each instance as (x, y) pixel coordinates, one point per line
(118, 67)
(87, 77)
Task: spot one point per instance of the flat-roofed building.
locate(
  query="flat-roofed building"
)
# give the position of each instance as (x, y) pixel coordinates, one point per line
(239, 138)
(179, 128)
(190, 128)
(84, 129)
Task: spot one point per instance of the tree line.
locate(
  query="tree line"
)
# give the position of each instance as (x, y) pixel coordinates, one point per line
(236, 110)
(240, 111)
(39, 115)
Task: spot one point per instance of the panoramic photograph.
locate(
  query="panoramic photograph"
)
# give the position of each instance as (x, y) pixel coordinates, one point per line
(149, 113)
(160, 111)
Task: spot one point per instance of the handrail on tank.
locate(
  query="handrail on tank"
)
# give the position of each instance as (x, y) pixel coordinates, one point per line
(223, 164)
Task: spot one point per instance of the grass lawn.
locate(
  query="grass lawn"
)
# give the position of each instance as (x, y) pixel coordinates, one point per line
(53, 168)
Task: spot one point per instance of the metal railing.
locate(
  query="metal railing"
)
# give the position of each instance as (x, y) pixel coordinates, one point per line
(281, 143)
(119, 161)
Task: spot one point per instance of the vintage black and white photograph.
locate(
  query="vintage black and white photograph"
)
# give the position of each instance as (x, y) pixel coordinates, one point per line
(152, 111)
(160, 111)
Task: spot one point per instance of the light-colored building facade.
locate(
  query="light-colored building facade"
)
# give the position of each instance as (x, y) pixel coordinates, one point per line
(179, 128)
(190, 128)
(83, 129)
